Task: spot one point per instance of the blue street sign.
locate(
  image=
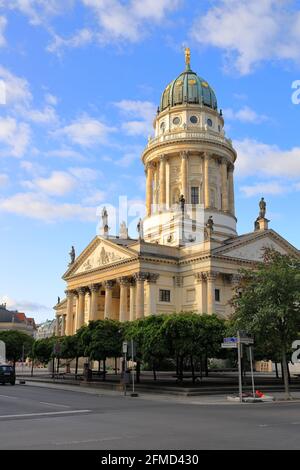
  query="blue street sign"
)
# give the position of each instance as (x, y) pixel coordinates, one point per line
(231, 339)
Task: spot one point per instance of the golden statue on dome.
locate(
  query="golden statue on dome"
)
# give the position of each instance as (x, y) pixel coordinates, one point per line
(187, 53)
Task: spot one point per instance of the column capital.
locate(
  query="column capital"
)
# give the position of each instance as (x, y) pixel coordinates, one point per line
(140, 276)
(81, 290)
(94, 287)
(149, 166)
(152, 277)
(163, 158)
(200, 277)
(108, 284)
(124, 281)
(211, 275)
(185, 154)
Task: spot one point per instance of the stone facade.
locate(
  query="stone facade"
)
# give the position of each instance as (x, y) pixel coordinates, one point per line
(189, 253)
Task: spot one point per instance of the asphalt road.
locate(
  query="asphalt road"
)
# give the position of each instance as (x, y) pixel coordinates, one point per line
(43, 418)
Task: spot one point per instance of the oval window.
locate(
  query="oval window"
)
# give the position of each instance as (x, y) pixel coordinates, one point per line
(163, 126)
(194, 119)
(176, 121)
(209, 122)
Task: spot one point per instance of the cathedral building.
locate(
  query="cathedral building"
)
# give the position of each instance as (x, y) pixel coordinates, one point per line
(188, 254)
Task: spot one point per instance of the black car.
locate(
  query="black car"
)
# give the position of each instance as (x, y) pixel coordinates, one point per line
(7, 374)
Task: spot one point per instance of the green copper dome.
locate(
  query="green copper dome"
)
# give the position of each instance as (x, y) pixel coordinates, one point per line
(188, 88)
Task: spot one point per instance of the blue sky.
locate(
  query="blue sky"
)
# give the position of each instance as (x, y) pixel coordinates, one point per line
(83, 79)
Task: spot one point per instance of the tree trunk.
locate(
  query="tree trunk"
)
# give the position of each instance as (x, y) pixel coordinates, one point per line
(76, 367)
(32, 364)
(285, 375)
(138, 371)
(154, 370)
(99, 366)
(177, 365)
(53, 367)
(276, 370)
(116, 366)
(104, 369)
(193, 369)
(57, 370)
(206, 365)
(288, 370)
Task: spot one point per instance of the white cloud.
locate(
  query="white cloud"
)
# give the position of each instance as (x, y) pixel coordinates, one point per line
(96, 198)
(271, 187)
(84, 174)
(26, 306)
(3, 23)
(51, 99)
(58, 183)
(17, 89)
(37, 206)
(127, 159)
(4, 179)
(259, 159)
(38, 11)
(78, 39)
(64, 153)
(251, 32)
(14, 136)
(42, 116)
(244, 114)
(85, 131)
(142, 112)
(128, 22)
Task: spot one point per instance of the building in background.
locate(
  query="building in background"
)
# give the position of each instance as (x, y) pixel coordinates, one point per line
(188, 253)
(14, 320)
(45, 329)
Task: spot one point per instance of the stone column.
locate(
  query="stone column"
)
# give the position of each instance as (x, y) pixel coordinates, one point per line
(149, 188)
(201, 292)
(211, 277)
(151, 284)
(108, 299)
(94, 288)
(184, 184)
(206, 181)
(57, 325)
(140, 303)
(80, 308)
(225, 206)
(162, 182)
(231, 190)
(70, 302)
(123, 311)
(63, 325)
(132, 298)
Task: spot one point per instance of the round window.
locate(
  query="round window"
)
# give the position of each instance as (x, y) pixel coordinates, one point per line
(194, 119)
(176, 121)
(209, 122)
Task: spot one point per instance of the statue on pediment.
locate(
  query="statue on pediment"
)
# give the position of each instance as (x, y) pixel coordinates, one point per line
(72, 255)
(140, 229)
(123, 233)
(262, 208)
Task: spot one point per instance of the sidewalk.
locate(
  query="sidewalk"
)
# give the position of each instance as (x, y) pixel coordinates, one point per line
(186, 400)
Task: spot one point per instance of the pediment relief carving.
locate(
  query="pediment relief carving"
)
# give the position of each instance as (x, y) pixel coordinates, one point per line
(102, 255)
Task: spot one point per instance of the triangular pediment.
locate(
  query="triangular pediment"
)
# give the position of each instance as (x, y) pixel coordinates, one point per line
(251, 247)
(99, 254)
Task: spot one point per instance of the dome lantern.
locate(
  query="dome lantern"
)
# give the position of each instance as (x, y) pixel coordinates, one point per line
(188, 87)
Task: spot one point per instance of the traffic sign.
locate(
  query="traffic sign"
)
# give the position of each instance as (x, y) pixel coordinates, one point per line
(124, 347)
(231, 339)
(229, 345)
(247, 340)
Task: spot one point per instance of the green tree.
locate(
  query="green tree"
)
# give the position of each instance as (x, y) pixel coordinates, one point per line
(15, 341)
(103, 339)
(43, 349)
(267, 303)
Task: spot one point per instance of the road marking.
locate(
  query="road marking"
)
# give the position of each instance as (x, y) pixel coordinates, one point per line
(87, 441)
(7, 396)
(27, 415)
(54, 404)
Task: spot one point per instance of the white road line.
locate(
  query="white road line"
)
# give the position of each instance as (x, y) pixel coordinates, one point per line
(7, 396)
(26, 415)
(54, 404)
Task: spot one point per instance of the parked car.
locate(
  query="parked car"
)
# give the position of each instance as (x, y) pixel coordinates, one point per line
(7, 374)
